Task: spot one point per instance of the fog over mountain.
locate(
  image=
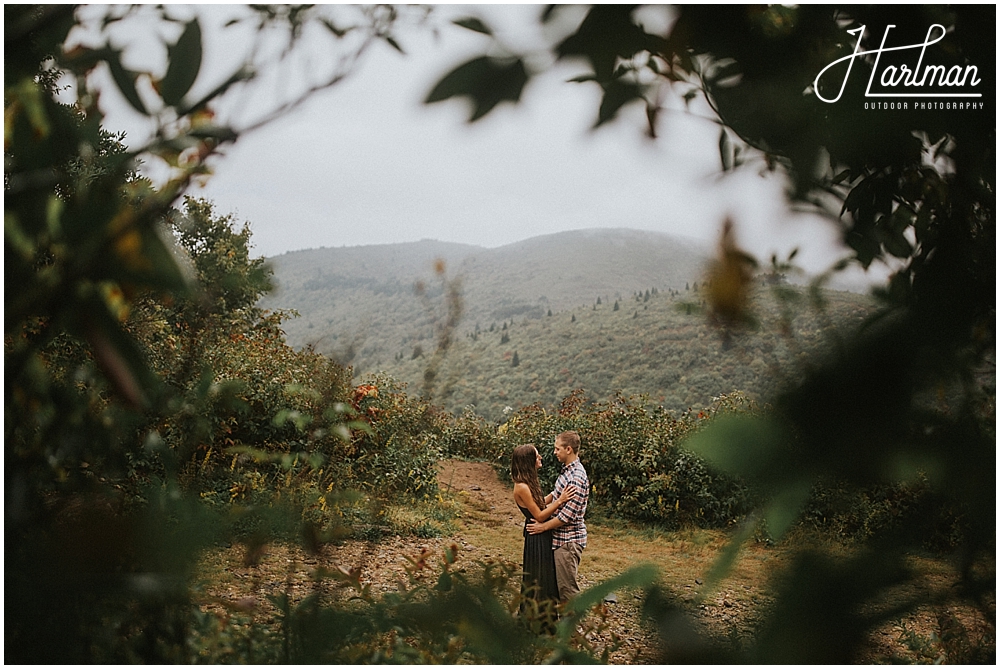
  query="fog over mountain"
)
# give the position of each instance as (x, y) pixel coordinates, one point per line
(361, 303)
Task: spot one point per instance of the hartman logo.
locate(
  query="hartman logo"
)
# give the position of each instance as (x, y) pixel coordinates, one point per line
(906, 71)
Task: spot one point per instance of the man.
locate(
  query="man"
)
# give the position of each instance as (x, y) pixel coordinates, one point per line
(569, 532)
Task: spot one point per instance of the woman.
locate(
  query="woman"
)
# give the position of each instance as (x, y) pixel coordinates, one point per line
(539, 567)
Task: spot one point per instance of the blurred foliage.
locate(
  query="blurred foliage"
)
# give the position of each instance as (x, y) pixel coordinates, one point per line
(153, 411)
(910, 396)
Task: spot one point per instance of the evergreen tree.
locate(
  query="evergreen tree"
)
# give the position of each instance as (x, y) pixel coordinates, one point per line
(616, 306)
(515, 361)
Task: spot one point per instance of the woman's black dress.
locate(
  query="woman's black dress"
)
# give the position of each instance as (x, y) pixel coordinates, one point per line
(538, 564)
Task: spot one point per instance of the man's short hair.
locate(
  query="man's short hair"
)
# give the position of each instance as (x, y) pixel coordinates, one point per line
(571, 439)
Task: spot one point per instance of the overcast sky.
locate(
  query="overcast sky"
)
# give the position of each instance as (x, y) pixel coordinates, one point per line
(366, 162)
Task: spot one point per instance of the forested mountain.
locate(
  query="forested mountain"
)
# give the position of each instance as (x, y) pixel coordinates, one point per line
(364, 305)
(603, 310)
(657, 344)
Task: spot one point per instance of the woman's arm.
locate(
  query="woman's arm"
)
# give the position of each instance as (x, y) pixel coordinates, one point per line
(522, 495)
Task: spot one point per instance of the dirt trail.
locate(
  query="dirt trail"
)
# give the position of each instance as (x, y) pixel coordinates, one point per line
(479, 481)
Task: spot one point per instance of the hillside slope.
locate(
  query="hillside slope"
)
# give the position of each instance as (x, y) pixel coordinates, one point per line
(605, 311)
(658, 345)
(359, 305)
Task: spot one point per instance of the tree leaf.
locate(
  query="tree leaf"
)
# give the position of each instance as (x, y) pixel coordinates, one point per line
(474, 24)
(393, 43)
(486, 81)
(742, 445)
(724, 151)
(727, 556)
(125, 80)
(616, 95)
(786, 506)
(333, 28)
(185, 62)
(637, 577)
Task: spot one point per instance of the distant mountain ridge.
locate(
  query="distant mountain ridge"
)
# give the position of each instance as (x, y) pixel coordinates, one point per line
(358, 303)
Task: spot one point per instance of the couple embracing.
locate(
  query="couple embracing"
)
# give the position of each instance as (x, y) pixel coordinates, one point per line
(554, 531)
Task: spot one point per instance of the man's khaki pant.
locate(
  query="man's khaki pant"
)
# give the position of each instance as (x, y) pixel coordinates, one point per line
(567, 559)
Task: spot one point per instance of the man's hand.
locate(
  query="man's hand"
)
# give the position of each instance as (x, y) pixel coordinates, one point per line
(538, 528)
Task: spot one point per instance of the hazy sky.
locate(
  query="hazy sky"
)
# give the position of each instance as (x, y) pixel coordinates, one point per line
(366, 162)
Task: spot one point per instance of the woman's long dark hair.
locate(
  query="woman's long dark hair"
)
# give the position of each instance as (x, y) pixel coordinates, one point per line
(522, 470)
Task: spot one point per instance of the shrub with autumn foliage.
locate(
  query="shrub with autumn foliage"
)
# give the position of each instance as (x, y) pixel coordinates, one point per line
(260, 420)
(632, 452)
(398, 452)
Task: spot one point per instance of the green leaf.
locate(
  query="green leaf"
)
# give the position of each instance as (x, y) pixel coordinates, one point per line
(786, 506)
(393, 43)
(474, 24)
(125, 81)
(118, 355)
(639, 576)
(724, 151)
(727, 556)
(616, 95)
(444, 582)
(15, 238)
(185, 62)
(742, 445)
(486, 81)
(333, 28)
(608, 34)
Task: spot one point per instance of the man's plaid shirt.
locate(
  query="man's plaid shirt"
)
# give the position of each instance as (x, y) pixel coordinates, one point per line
(571, 513)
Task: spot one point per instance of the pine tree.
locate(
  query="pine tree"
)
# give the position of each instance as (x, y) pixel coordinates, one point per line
(505, 338)
(616, 306)
(515, 361)
(573, 319)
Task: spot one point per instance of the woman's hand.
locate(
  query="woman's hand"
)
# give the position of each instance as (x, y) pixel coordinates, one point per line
(568, 493)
